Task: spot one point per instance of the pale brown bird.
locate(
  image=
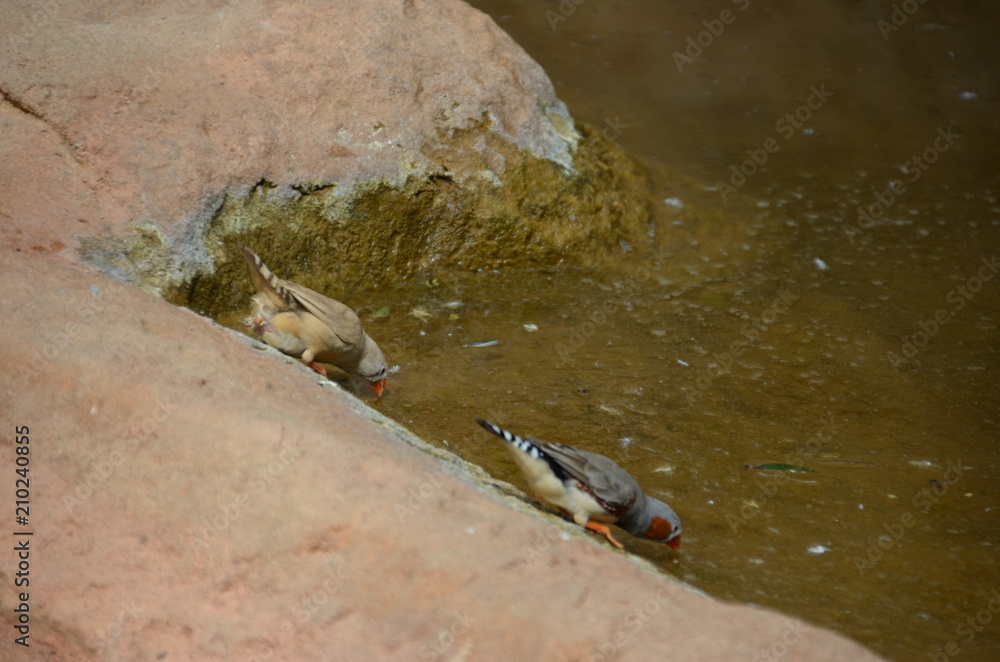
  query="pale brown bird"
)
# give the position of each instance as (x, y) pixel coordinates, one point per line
(313, 327)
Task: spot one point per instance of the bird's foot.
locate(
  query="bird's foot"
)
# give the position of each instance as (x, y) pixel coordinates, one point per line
(600, 528)
(318, 368)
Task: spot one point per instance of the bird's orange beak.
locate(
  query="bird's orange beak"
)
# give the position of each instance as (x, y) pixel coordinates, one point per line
(378, 387)
(674, 544)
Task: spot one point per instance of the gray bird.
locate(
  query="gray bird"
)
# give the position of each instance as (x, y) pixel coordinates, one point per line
(591, 488)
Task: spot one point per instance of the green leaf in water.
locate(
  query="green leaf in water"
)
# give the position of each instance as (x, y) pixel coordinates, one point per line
(381, 312)
(779, 467)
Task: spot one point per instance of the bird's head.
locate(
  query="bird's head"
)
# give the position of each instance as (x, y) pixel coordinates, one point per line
(663, 524)
(378, 384)
(372, 367)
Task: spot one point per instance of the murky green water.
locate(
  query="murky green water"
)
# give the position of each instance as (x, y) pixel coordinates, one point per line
(761, 330)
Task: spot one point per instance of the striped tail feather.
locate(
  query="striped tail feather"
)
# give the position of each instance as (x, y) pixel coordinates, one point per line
(265, 281)
(521, 443)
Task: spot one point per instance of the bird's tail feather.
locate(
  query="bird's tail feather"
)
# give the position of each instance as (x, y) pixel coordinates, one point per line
(267, 284)
(525, 445)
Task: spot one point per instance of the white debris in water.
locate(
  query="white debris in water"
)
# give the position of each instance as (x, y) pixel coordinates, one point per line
(820, 264)
(763, 203)
(659, 333)
(531, 328)
(756, 561)
(861, 506)
(808, 131)
(676, 203)
(664, 469)
(683, 363)
(968, 96)
(819, 549)
(626, 442)
(611, 410)
(924, 464)
(453, 304)
(394, 369)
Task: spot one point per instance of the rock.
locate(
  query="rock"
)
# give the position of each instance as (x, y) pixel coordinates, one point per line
(371, 139)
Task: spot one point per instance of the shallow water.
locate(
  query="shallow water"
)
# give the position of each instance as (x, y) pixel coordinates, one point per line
(893, 537)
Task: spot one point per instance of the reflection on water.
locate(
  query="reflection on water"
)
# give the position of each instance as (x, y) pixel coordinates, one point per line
(823, 292)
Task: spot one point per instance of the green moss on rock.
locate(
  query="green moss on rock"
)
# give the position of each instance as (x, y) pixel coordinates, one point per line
(487, 205)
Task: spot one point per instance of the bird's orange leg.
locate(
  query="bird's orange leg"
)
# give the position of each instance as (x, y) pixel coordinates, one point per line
(600, 528)
(318, 368)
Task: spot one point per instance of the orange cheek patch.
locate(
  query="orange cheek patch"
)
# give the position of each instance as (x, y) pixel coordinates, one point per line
(659, 529)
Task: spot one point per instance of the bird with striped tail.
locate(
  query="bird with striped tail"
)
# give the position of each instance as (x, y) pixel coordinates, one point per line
(591, 488)
(313, 327)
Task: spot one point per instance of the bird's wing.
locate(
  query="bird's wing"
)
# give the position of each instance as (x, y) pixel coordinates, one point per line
(609, 482)
(342, 320)
(272, 288)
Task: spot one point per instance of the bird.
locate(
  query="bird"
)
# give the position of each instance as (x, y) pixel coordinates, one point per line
(305, 324)
(591, 488)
